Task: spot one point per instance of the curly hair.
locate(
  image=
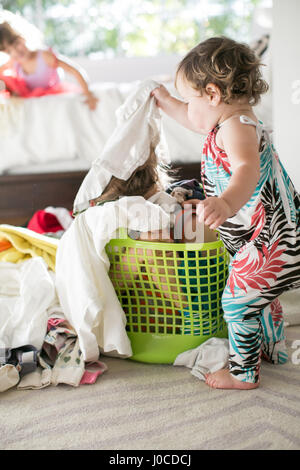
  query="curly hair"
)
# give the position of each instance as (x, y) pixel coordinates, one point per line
(7, 35)
(230, 65)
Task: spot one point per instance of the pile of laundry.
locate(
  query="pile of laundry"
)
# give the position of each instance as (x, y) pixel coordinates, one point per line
(58, 307)
(58, 361)
(38, 346)
(41, 343)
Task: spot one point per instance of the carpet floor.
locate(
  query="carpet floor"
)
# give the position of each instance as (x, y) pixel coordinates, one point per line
(139, 406)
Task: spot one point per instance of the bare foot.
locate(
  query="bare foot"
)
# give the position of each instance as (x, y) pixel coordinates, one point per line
(223, 379)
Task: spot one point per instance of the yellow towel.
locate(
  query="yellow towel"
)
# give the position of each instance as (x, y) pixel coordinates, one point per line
(27, 244)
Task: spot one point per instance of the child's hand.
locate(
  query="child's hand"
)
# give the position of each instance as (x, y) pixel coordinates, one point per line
(91, 100)
(213, 211)
(161, 95)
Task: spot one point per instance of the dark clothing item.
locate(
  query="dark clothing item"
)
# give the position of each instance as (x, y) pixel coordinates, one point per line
(23, 358)
(194, 185)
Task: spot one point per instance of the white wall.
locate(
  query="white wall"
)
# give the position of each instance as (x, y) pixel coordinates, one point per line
(286, 84)
(128, 69)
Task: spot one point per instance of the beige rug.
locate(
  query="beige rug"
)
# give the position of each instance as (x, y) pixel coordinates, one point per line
(142, 406)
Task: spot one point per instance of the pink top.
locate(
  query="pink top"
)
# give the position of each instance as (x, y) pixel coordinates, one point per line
(43, 77)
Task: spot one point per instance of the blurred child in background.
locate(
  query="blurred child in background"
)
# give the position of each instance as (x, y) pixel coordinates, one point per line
(33, 72)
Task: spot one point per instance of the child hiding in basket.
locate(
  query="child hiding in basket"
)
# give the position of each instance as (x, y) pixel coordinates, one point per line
(149, 180)
(33, 72)
(164, 268)
(249, 198)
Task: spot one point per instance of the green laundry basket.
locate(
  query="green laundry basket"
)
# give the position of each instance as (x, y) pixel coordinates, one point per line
(170, 293)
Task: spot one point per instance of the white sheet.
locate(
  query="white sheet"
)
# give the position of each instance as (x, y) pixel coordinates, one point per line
(27, 291)
(124, 152)
(58, 128)
(210, 356)
(86, 294)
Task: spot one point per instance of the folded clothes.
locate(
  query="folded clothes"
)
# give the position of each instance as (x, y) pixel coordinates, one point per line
(27, 244)
(5, 245)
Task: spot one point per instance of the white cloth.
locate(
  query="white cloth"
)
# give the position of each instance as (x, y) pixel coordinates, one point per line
(27, 291)
(138, 126)
(85, 291)
(9, 377)
(210, 356)
(58, 127)
(168, 203)
(11, 116)
(41, 134)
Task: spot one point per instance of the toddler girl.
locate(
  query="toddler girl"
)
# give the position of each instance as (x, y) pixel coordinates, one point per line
(250, 199)
(35, 71)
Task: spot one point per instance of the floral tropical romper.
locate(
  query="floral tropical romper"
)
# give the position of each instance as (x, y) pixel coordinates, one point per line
(263, 239)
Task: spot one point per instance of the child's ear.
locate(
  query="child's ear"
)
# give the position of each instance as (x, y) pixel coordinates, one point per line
(214, 94)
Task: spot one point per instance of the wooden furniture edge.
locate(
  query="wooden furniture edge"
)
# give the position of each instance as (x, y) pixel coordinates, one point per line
(22, 195)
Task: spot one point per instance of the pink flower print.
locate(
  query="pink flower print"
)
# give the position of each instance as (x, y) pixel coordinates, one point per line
(276, 312)
(218, 155)
(258, 220)
(257, 272)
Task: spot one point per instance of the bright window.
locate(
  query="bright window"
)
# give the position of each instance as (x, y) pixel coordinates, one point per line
(110, 28)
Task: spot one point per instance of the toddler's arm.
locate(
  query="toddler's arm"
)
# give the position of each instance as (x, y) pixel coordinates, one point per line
(241, 146)
(174, 108)
(74, 70)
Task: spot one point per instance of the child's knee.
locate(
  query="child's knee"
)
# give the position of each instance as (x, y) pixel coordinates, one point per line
(232, 311)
